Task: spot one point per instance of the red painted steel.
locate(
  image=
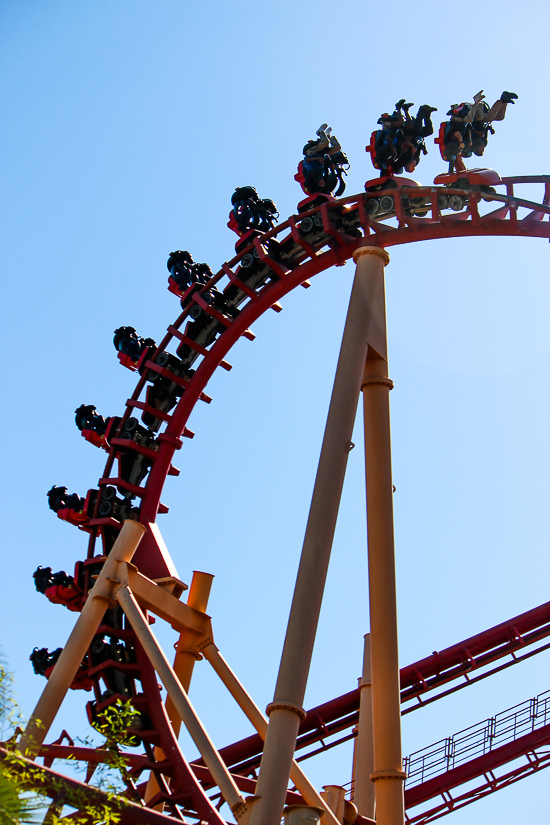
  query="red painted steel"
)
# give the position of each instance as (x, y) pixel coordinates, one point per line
(482, 766)
(416, 679)
(52, 784)
(332, 248)
(410, 230)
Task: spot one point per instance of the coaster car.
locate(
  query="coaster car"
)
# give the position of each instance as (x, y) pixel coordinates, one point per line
(68, 595)
(111, 506)
(131, 431)
(106, 656)
(141, 726)
(473, 180)
(252, 270)
(133, 462)
(206, 322)
(132, 350)
(380, 202)
(344, 218)
(288, 251)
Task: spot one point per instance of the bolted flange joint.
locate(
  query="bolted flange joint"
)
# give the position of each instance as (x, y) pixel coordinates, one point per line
(374, 777)
(292, 706)
(376, 379)
(371, 250)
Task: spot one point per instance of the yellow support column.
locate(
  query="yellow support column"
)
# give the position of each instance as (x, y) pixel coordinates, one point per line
(185, 659)
(185, 710)
(363, 786)
(285, 712)
(184, 663)
(388, 774)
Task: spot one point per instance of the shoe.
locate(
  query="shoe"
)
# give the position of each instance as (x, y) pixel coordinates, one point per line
(407, 106)
(400, 103)
(328, 131)
(508, 97)
(321, 128)
(429, 109)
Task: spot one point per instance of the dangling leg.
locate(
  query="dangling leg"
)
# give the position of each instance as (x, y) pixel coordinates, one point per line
(498, 109)
(423, 121)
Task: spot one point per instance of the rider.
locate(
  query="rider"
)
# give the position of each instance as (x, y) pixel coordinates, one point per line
(401, 139)
(251, 212)
(44, 579)
(87, 418)
(185, 271)
(42, 660)
(180, 265)
(470, 124)
(129, 343)
(58, 499)
(389, 139)
(323, 163)
(414, 132)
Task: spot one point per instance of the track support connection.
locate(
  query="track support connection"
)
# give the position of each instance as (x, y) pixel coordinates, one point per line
(121, 582)
(364, 335)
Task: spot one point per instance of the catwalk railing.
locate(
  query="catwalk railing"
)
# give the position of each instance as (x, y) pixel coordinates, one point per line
(477, 740)
(478, 761)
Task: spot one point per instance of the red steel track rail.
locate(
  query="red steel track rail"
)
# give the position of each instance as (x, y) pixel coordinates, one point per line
(454, 664)
(334, 248)
(343, 226)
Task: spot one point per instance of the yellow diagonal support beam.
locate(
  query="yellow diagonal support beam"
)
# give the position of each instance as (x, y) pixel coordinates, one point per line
(160, 602)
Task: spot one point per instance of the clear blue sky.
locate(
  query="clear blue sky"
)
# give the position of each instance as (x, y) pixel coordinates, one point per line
(126, 127)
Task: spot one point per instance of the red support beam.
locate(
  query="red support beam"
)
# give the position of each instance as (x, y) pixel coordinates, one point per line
(417, 679)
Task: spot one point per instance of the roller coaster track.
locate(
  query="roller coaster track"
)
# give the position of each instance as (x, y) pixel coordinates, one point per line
(457, 667)
(306, 257)
(286, 257)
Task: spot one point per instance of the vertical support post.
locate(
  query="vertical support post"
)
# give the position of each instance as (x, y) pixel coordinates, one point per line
(363, 794)
(184, 663)
(335, 797)
(286, 711)
(388, 774)
(98, 601)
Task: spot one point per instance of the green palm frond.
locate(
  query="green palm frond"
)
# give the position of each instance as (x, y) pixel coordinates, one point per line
(15, 808)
